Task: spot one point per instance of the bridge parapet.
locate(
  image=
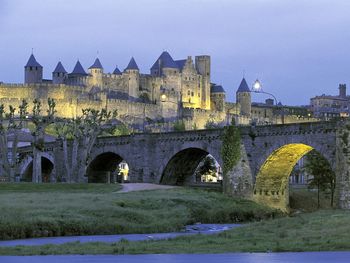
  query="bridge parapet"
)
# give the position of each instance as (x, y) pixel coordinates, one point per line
(291, 129)
(212, 134)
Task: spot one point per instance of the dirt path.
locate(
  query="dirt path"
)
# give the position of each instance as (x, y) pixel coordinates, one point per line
(130, 187)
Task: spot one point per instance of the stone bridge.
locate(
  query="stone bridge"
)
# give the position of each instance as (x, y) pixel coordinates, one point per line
(269, 154)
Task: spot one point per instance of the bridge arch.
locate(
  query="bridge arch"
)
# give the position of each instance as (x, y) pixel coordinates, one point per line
(103, 167)
(272, 181)
(181, 166)
(47, 168)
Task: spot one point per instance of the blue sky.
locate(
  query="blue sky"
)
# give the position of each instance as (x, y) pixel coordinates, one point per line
(298, 49)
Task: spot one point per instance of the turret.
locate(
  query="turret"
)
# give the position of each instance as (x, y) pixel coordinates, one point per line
(59, 75)
(342, 90)
(33, 71)
(78, 75)
(96, 72)
(117, 71)
(243, 98)
(132, 75)
(203, 68)
(217, 96)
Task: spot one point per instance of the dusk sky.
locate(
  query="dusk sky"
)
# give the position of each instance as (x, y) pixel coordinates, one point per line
(298, 49)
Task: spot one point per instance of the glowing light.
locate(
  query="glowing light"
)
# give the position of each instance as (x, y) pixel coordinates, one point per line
(271, 185)
(257, 86)
(163, 97)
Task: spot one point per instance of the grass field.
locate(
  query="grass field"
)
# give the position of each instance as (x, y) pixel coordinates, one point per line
(326, 230)
(31, 210)
(305, 200)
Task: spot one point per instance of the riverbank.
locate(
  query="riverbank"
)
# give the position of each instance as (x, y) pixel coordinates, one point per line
(326, 230)
(32, 210)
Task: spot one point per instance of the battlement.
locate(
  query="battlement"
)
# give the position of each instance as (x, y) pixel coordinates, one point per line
(112, 76)
(132, 103)
(36, 85)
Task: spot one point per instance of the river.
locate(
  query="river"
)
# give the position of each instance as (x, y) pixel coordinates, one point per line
(319, 257)
(206, 229)
(307, 257)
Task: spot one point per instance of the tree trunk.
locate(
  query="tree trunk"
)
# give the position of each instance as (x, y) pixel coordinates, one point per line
(332, 197)
(82, 161)
(4, 155)
(37, 152)
(332, 193)
(12, 174)
(13, 162)
(75, 162)
(67, 164)
(318, 195)
(37, 176)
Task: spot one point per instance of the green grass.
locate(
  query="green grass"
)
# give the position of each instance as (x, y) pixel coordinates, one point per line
(326, 230)
(7, 188)
(31, 210)
(305, 200)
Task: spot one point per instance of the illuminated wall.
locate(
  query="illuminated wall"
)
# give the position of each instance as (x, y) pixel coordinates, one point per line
(272, 182)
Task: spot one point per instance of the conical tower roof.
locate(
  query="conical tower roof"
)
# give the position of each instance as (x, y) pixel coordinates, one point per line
(32, 62)
(243, 87)
(59, 68)
(132, 65)
(164, 61)
(216, 89)
(78, 69)
(97, 64)
(117, 71)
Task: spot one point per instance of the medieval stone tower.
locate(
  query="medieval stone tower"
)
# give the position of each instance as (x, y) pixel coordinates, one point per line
(218, 97)
(342, 90)
(203, 68)
(78, 75)
(96, 72)
(59, 75)
(132, 75)
(33, 71)
(243, 98)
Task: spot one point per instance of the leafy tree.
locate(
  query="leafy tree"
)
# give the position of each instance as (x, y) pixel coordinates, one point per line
(323, 175)
(206, 167)
(230, 151)
(10, 125)
(121, 129)
(179, 126)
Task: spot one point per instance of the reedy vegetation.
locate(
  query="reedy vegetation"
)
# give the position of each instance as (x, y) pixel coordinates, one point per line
(34, 210)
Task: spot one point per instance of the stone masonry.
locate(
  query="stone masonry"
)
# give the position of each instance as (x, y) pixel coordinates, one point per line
(171, 158)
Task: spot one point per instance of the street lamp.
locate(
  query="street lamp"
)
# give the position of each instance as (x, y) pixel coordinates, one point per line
(257, 88)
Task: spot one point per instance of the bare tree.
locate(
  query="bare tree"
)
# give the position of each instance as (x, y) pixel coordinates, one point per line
(78, 137)
(11, 127)
(40, 123)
